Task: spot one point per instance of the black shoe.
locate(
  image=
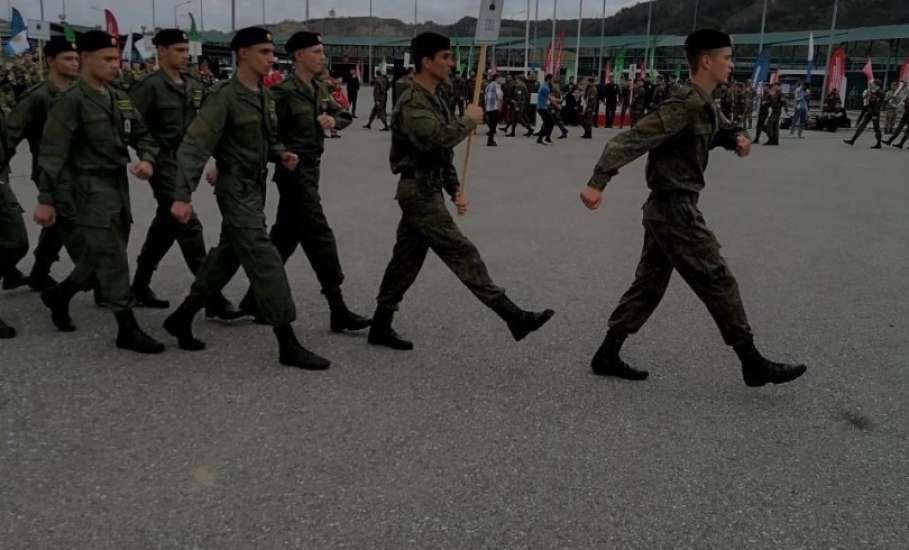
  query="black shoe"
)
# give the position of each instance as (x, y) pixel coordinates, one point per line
(540, 141)
(220, 307)
(900, 145)
(385, 129)
(341, 317)
(509, 134)
(849, 142)
(889, 142)
(146, 297)
(249, 308)
(39, 282)
(368, 127)
(381, 333)
(587, 136)
(292, 354)
(6, 331)
(130, 337)
(491, 143)
(58, 303)
(180, 325)
(606, 362)
(529, 133)
(14, 279)
(758, 371)
(528, 321)
(548, 140)
(564, 135)
(876, 145)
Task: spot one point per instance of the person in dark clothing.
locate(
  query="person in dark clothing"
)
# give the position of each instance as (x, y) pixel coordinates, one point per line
(353, 90)
(611, 99)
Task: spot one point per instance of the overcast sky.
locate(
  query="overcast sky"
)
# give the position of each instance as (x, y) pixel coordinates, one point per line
(249, 12)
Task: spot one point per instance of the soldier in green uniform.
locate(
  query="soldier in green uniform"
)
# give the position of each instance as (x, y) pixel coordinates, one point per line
(379, 100)
(238, 124)
(85, 140)
(678, 136)
(168, 100)
(507, 101)
(13, 236)
(305, 110)
(26, 122)
(872, 113)
(776, 105)
(520, 103)
(424, 134)
(591, 99)
(904, 123)
(748, 100)
(638, 101)
(763, 112)
(7, 92)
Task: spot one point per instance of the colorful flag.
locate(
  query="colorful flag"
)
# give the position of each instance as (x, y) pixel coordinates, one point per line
(110, 24)
(761, 68)
(775, 77)
(904, 71)
(810, 56)
(836, 73)
(867, 70)
(69, 33)
(127, 54)
(18, 32)
(193, 31)
(619, 68)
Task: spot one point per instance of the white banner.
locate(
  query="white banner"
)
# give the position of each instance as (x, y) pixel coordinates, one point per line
(39, 30)
(489, 22)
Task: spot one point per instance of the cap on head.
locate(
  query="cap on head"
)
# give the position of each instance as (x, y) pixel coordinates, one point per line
(93, 41)
(57, 45)
(428, 44)
(302, 40)
(250, 36)
(169, 37)
(706, 39)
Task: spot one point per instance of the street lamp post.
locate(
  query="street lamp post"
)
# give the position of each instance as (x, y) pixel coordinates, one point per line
(602, 42)
(178, 6)
(555, 3)
(202, 15)
(577, 45)
(527, 41)
(647, 46)
(371, 39)
(154, 16)
(829, 51)
(763, 25)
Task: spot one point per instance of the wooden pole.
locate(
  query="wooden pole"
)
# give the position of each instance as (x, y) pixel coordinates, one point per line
(481, 69)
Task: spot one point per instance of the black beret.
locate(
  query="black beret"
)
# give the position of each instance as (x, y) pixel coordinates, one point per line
(58, 45)
(169, 37)
(428, 44)
(92, 41)
(707, 39)
(302, 40)
(250, 36)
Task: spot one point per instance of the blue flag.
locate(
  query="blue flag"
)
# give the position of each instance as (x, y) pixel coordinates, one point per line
(761, 68)
(18, 33)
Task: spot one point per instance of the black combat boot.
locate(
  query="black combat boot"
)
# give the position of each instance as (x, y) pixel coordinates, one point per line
(57, 298)
(341, 317)
(510, 134)
(606, 361)
(13, 279)
(141, 292)
(587, 135)
(292, 354)
(219, 307)
(381, 333)
(491, 143)
(890, 141)
(6, 331)
(520, 322)
(385, 129)
(249, 307)
(179, 324)
(39, 278)
(130, 336)
(900, 144)
(529, 133)
(849, 141)
(876, 145)
(758, 371)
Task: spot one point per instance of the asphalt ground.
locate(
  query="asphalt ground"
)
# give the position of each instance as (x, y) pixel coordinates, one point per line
(474, 441)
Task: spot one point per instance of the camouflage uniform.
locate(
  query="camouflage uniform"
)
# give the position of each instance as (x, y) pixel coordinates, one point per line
(520, 101)
(763, 113)
(7, 90)
(904, 123)
(776, 104)
(638, 102)
(380, 100)
(591, 99)
(678, 136)
(872, 113)
(424, 134)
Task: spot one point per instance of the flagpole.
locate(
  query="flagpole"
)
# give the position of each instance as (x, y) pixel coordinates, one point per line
(201, 15)
(829, 53)
(577, 44)
(602, 42)
(536, 23)
(763, 25)
(552, 44)
(527, 41)
(697, 5)
(371, 36)
(647, 45)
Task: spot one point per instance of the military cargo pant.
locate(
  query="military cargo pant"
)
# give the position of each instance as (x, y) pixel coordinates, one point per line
(519, 118)
(867, 117)
(904, 123)
(378, 111)
(772, 127)
(301, 221)
(426, 225)
(13, 235)
(676, 237)
(589, 114)
(761, 126)
(47, 251)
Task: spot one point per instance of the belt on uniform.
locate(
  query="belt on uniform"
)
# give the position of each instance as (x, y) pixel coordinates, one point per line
(678, 196)
(242, 171)
(118, 173)
(414, 173)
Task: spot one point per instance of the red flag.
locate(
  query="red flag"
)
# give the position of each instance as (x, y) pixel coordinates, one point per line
(904, 71)
(867, 70)
(607, 74)
(775, 77)
(836, 72)
(110, 23)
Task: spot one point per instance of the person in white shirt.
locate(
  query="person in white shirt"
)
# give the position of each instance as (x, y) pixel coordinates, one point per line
(493, 103)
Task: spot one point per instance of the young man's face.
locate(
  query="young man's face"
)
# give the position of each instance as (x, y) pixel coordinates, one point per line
(175, 56)
(64, 64)
(103, 64)
(311, 59)
(439, 65)
(259, 58)
(717, 64)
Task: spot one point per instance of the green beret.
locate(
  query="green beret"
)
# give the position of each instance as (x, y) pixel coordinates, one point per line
(707, 39)
(169, 37)
(250, 36)
(57, 45)
(302, 40)
(93, 41)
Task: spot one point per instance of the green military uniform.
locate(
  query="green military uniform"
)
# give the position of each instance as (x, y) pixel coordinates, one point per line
(776, 105)
(678, 136)
(169, 108)
(739, 106)
(748, 106)
(763, 113)
(26, 122)
(85, 142)
(237, 126)
(447, 93)
(520, 102)
(555, 109)
(872, 113)
(638, 102)
(508, 101)
(7, 93)
(904, 123)
(13, 235)
(380, 100)
(300, 219)
(591, 99)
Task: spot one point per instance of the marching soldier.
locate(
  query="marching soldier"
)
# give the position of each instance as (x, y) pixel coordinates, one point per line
(763, 113)
(13, 235)
(520, 102)
(168, 99)
(305, 109)
(237, 124)
(424, 134)
(26, 121)
(85, 140)
(904, 123)
(379, 101)
(678, 137)
(591, 100)
(776, 104)
(638, 101)
(748, 100)
(872, 113)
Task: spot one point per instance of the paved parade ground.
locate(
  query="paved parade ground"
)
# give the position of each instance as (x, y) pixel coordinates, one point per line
(474, 441)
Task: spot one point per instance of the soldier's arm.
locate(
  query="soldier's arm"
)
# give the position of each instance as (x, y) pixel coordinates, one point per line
(141, 139)
(143, 97)
(276, 148)
(427, 132)
(62, 122)
(198, 145)
(667, 121)
(18, 122)
(342, 118)
(728, 134)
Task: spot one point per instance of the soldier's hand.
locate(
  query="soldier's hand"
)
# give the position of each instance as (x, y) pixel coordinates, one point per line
(181, 211)
(211, 175)
(475, 113)
(290, 160)
(326, 122)
(460, 202)
(142, 169)
(45, 215)
(592, 198)
(742, 146)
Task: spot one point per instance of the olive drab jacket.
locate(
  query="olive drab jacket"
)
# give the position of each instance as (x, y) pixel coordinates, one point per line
(298, 106)
(237, 126)
(26, 120)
